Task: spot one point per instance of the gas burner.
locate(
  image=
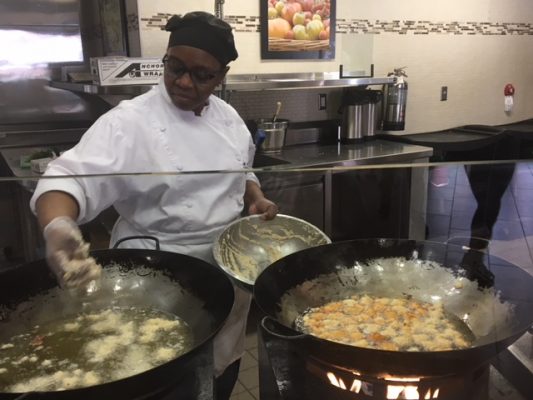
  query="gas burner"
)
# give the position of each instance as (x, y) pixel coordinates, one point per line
(472, 386)
(288, 372)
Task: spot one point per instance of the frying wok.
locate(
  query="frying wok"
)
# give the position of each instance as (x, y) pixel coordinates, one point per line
(194, 290)
(315, 276)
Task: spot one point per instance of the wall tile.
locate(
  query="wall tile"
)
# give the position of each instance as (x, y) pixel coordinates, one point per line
(474, 48)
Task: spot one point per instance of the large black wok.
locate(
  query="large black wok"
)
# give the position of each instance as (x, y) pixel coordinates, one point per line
(337, 260)
(196, 291)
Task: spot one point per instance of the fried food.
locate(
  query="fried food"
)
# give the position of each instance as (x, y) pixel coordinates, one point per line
(383, 323)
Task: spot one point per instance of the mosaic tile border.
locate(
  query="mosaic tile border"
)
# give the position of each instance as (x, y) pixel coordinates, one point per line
(243, 23)
(428, 27)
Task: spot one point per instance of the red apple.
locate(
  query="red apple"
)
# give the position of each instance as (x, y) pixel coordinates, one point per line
(307, 5)
(289, 10)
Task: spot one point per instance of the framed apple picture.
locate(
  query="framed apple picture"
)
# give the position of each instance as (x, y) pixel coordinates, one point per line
(295, 29)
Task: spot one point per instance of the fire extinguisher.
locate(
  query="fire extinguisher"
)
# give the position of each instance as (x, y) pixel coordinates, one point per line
(395, 95)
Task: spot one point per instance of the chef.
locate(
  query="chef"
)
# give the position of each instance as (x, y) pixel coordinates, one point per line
(177, 126)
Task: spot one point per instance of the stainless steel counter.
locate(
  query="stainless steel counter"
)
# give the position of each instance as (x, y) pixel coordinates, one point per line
(347, 155)
(300, 156)
(327, 159)
(12, 157)
(293, 157)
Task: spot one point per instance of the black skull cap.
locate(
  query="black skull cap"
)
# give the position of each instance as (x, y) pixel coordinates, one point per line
(204, 31)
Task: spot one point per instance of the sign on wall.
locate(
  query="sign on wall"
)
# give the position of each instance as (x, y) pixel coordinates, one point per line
(296, 29)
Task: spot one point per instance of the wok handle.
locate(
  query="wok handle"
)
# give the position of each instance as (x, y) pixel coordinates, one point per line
(156, 240)
(280, 331)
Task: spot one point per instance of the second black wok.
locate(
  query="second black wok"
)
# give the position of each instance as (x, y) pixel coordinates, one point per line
(318, 275)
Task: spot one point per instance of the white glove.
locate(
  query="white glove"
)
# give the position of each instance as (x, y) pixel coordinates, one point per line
(67, 254)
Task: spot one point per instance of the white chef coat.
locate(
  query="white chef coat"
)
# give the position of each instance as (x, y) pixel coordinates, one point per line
(185, 212)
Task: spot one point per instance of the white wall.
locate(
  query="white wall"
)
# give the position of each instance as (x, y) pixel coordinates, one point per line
(475, 64)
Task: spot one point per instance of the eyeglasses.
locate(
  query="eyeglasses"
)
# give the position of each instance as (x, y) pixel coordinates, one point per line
(200, 76)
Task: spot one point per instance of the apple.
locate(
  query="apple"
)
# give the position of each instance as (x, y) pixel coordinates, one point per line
(313, 29)
(272, 13)
(322, 9)
(317, 16)
(300, 32)
(289, 10)
(279, 6)
(298, 18)
(323, 35)
(289, 35)
(278, 27)
(307, 5)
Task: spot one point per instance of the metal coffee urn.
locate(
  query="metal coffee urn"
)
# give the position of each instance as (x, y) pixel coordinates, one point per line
(395, 102)
(372, 114)
(360, 114)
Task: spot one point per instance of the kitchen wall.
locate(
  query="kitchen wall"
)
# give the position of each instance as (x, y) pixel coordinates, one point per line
(473, 47)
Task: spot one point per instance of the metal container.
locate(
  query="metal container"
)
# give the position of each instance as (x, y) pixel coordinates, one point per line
(270, 135)
(371, 114)
(250, 244)
(352, 123)
(395, 102)
(360, 114)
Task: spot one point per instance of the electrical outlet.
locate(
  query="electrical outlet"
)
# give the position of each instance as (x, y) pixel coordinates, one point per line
(444, 93)
(322, 101)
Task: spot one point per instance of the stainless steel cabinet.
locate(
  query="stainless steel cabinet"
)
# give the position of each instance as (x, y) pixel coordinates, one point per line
(370, 204)
(297, 194)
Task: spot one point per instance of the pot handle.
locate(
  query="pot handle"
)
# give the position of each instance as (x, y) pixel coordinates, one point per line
(156, 240)
(274, 328)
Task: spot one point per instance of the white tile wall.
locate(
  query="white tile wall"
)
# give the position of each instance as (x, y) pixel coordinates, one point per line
(466, 52)
(475, 69)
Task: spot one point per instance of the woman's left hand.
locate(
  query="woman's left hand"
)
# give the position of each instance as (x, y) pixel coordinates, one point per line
(265, 207)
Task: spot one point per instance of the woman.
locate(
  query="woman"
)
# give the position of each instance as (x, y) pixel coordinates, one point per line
(177, 126)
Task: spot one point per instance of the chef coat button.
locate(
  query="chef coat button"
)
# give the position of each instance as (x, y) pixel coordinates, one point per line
(163, 129)
(238, 158)
(188, 205)
(240, 201)
(179, 167)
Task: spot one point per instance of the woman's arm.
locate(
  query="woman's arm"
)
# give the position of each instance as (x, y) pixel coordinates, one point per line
(55, 204)
(257, 203)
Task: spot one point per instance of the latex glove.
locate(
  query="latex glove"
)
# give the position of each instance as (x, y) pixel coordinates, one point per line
(67, 254)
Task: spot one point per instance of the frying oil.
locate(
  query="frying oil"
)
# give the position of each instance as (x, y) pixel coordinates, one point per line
(92, 348)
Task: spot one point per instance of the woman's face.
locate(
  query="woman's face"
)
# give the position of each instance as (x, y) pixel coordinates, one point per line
(191, 75)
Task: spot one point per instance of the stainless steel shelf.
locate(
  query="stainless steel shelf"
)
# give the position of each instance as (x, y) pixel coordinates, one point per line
(91, 88)
(241, 82)
(253, 82)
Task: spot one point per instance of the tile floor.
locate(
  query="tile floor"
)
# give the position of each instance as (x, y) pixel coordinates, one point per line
(451, 205)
